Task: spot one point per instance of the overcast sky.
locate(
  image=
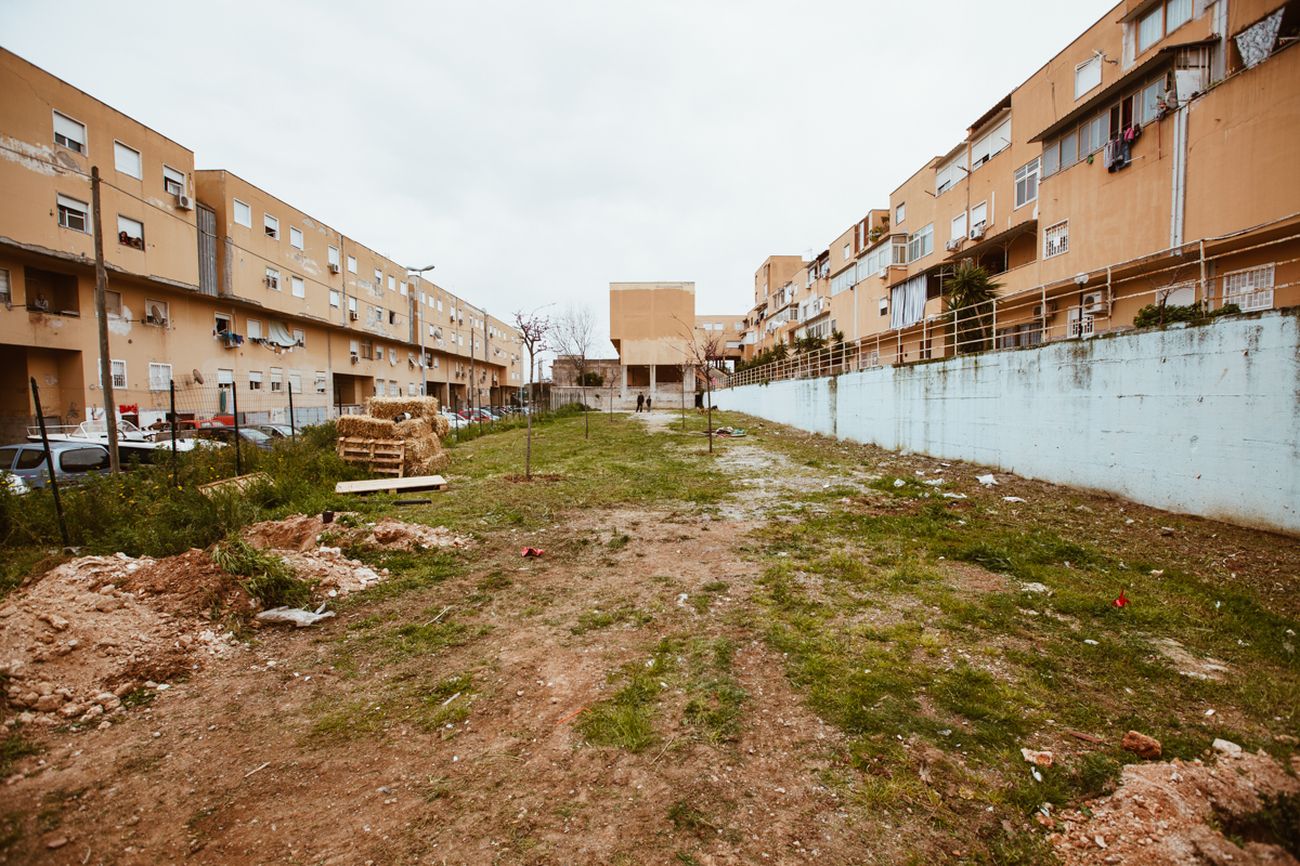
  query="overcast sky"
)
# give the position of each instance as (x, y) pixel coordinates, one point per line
(537, 151)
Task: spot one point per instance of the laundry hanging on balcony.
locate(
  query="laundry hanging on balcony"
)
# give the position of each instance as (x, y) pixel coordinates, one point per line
(1257, 41)
(277, 334)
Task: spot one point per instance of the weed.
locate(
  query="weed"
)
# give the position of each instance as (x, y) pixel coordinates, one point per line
(687, 818)
(14, 747)
(594, 620)
(619, 541)
(625, 721)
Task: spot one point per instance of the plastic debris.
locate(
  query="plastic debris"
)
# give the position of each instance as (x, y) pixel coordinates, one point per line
(1038, 759)
(1122, 601)
(531, 551)
(295, 616)
(1012, 499)
(987, 480)
(954, 496)
(898, 482)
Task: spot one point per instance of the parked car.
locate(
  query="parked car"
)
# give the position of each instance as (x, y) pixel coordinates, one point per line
(72, 461)
(275, 431)
(226, 436)
(481, 414)
(454, 420)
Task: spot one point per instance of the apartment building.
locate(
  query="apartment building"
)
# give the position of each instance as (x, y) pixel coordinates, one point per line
(1150, 162)
(213, 284)
(660, 340)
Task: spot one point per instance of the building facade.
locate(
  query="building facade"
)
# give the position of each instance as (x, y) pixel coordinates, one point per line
(1150, 163)
(214, 285)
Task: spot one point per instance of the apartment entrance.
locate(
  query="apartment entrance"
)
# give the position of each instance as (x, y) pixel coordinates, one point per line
(60, 378)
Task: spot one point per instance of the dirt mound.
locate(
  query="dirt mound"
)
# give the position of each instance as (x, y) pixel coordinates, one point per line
(1175, 813)
(298, 532)
(190, 584)
(94, 628)
(333, 573)
(394, 534)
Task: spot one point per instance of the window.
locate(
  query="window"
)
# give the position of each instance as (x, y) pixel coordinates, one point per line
(991, 144)
(367, 350)
(300, 336)
(392, 283)
(173, 181)
(130, 233)
(69, 133)
(254, 329)
(352, 305)
(119, 373)
(920, 244)
(243, 214)
(1177, 13)
(1027, 183)
(1087, 75)
(254, 380)
(295, 237)
(223, 324)
(6, 288)
(352, 264)
(84, 459)
(160, 377)
(1151, 27)
(979, 219)
(1180, 295)
(907, 302)
(126, 160)
(1056, 240)
(295, 382)
(374, 315)
(156, 312)
(298, 286)
(392, 317)
(959, 226)
(320, 382)
(334, 257)
(1250, 289)
(900, 213)
(271, 225)
(277, 379)
(335, 298)
(272, 279)
(74, 214)
(28, 458)
(949, 174)
(848, 251)
(394, 388)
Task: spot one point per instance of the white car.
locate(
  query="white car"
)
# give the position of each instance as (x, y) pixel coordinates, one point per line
(454, 420)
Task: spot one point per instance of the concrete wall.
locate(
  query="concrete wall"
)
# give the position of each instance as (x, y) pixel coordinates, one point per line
(1202, 420)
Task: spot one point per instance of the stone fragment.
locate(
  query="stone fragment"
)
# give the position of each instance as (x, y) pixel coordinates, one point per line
(1141, 745)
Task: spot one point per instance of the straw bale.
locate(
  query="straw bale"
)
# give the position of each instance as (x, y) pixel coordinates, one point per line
(441, 426)
(424, 456)
(366, 427)
(391, 407)
(414, 428)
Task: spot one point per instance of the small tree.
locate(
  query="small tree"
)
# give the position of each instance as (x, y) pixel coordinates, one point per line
(574, 335)
(533, 329)
(970, 293)
(704, 350)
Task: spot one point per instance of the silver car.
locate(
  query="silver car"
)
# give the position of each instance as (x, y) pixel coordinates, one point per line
(72, 461)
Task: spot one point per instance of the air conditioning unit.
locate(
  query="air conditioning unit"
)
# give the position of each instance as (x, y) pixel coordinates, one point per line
(334, 268)
(184, 202)
(978, 230)
(352, 315)
(1092, 303)
(952, 245)
(1044, 309)
(161, 321)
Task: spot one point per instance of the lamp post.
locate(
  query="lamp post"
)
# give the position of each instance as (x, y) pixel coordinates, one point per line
(424, 366)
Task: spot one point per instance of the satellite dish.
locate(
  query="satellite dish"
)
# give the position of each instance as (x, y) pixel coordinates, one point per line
(198, 377)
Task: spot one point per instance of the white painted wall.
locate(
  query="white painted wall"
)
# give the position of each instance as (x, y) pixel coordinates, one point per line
(1202, 420)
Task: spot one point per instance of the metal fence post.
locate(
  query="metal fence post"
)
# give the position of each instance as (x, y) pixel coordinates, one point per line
(49, 464)
(234, 400)
(293, 430)
(175, 471)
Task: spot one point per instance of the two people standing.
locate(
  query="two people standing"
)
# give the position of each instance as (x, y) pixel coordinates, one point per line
(642, 403)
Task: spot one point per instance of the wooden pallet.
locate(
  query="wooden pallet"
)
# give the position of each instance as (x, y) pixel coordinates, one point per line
(381, 456)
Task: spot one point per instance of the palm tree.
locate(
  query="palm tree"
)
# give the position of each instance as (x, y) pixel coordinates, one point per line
(970, 293)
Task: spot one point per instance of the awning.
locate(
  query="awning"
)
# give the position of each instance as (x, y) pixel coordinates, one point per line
(988, 242)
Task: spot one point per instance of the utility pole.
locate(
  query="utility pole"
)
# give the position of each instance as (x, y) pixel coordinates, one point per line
(487, 365)
(101, 315)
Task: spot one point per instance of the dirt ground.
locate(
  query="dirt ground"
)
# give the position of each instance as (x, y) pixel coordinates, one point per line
(267, 753)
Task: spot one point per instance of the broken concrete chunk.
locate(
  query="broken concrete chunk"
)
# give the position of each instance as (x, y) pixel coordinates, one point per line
(1141, 745)
(293, 615)
(1226, 747)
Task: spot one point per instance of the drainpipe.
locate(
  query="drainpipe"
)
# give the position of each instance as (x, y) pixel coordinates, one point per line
(1179, 182)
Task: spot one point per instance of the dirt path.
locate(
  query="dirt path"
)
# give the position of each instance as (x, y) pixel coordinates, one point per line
(337, 745)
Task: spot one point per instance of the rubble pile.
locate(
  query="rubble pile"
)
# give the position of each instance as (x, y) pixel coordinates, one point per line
(304, 532)
(93, 629)
(1179, 812)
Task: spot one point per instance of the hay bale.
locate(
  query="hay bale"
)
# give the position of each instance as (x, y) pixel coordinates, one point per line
(391, 407)
(441, 426)
(414, 428)
(366, 427)
(425, 456)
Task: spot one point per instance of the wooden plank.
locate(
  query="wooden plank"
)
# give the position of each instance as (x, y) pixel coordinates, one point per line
(239, 483)
(374, 485)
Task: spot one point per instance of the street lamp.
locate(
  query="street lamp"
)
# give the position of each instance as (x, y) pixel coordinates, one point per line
(424, 361)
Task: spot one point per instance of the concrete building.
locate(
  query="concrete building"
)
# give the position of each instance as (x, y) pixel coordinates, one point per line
(214, 284)
(660, 340)
(1147, 163)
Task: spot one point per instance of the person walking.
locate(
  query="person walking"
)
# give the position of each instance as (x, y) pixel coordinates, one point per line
(647, 403)
(640, 402)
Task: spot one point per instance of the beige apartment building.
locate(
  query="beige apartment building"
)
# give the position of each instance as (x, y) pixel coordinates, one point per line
(214, 285)
(660, 340)
(1151, 161)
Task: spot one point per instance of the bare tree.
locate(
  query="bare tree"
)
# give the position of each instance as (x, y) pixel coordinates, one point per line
(575, 333)
(704, 350)
(533, 329)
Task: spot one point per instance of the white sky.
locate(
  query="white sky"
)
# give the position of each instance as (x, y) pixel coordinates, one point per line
(537, 151)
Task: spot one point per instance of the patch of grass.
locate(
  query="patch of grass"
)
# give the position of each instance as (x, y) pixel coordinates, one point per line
(619, 541)
(687, 818)
(445, 703)
(351, 720)
(427, 638)
(266, 577)
(407, 571)
(13, 748)
(626, 721)
(594, 620)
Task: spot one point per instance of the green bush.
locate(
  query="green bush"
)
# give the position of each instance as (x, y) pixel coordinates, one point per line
(1153, 315)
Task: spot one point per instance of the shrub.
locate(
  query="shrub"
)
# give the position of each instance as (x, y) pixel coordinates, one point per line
(1153, 315)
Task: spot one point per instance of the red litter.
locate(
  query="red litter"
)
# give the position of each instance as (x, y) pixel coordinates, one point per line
(1122, 601)
(531, 551)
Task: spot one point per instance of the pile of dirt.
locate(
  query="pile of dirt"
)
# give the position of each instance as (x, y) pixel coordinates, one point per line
(302, 532)
(333, 573)
(298, 532)
(1165, 814)
(392, 534)
(89, 631)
